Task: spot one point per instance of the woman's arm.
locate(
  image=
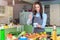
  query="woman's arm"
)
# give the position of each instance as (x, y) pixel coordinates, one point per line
(44, 20)
(29, 21)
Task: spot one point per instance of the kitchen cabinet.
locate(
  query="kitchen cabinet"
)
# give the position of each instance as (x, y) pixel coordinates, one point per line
(55, 14)
(24, 17)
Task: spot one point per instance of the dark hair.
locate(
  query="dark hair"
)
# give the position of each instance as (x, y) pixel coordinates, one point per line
(34, 11)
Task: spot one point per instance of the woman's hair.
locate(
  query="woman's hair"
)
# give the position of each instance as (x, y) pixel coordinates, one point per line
(41, 9)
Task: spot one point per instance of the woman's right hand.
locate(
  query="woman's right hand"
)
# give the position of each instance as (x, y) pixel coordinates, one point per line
(29, 21)
(30, 17)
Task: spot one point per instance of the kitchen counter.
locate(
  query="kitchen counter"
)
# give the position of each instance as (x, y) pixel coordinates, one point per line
(29, 29)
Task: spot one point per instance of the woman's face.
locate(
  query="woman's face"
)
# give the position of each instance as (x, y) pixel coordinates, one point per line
(37, 7)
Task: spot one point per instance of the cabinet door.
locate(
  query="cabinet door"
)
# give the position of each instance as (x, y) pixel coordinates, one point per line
(24, 17)
(55, 14)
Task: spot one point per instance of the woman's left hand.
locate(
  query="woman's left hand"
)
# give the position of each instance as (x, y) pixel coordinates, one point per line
(39, 26)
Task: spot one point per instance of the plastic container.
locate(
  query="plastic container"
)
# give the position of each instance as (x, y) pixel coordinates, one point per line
(23, 38)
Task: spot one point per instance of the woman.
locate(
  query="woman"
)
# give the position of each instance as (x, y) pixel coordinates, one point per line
(37, 18)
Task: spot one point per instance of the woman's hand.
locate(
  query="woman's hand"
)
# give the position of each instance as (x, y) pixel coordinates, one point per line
(29, 21)
(39, 26)
(30, 17)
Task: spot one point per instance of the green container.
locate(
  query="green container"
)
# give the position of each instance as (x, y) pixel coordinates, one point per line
(28, 28)
(2, 34)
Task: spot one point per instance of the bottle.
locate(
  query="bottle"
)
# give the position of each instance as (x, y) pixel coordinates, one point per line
(54, 34)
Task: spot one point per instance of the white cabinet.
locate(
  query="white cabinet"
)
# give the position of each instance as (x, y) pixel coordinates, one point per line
(55, 14)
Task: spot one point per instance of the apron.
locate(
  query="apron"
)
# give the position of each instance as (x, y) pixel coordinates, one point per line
(39, 21)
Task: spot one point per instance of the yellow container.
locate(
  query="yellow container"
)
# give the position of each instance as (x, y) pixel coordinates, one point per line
(5, 27)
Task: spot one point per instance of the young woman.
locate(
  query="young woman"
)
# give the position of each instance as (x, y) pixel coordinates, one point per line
(37, 18)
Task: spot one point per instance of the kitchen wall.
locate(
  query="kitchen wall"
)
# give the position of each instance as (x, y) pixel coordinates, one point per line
(3, 3)
(18, 8)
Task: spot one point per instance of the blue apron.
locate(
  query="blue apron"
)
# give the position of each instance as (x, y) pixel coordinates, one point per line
(39, 21)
